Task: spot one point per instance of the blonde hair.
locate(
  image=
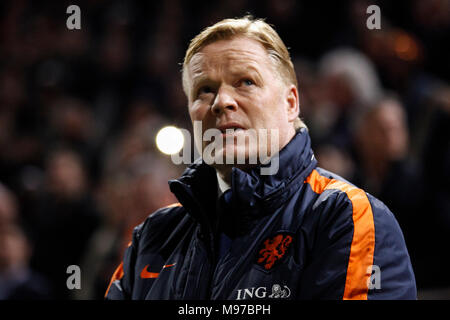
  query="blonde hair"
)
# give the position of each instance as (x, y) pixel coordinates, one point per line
(256, 29)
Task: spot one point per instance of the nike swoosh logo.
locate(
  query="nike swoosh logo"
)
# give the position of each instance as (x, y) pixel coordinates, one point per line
(145, 274)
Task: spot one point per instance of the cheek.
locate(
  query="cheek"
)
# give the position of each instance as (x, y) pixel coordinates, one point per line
(196, 111)
(201, 120)
(201, 113)
(266, 110)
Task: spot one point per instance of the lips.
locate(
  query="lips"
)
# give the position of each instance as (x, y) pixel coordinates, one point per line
(230, 126)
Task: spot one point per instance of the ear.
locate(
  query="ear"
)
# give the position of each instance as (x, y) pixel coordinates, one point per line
(292, 103)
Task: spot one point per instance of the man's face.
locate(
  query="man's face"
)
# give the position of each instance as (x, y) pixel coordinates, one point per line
(233, 84)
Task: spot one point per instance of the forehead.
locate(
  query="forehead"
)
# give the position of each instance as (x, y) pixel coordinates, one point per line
(239, 52)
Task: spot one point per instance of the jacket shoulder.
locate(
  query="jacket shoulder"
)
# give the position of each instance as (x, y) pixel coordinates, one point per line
(332, 186)
(372, 235)
(160, 220)
(333, 190)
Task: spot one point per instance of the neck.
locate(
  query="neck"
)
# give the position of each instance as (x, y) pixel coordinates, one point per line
(225, 174)
(222, 184)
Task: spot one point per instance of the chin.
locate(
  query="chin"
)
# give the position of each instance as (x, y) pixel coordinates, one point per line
(238, 157)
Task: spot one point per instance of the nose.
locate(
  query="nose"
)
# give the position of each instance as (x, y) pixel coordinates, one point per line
(224, 101)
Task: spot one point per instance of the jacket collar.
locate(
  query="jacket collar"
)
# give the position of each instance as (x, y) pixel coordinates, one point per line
(197, 188)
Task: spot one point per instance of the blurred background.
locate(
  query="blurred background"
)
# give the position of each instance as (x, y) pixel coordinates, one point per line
(80, 109)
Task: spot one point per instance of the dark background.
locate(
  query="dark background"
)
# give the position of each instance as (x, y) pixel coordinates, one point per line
(79, 110)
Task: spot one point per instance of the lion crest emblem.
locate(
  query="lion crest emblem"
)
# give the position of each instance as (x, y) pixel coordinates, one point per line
(273, 249)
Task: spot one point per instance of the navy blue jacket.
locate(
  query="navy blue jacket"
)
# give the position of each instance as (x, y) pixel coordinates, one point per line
(302, 233)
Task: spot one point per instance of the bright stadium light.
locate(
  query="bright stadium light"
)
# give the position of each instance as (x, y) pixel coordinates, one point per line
(169, 140)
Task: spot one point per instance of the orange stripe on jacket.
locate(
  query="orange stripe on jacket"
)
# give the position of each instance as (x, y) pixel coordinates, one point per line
(363, 242)
(117, 275)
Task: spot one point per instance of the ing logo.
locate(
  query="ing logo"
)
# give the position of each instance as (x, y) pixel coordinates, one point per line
(278, 292)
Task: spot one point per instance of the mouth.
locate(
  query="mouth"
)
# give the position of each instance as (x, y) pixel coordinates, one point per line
(230, 128)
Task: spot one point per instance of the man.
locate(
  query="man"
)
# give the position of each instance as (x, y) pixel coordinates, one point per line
(298, 233)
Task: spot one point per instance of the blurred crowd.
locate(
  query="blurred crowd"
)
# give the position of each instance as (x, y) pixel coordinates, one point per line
(79, 110)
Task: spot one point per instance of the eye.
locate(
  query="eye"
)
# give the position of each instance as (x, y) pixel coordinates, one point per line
(247, 82)
(204, 90)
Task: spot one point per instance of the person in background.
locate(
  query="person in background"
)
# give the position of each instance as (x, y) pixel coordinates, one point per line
(65, 218)
(18, 281)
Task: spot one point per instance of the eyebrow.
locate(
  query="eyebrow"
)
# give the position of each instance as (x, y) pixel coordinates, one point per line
(200, 77)
(198, 80)
(247, 69)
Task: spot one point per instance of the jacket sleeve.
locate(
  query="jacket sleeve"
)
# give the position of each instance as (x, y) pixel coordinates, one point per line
(121, 284)
(392, 275)
(358, 251)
